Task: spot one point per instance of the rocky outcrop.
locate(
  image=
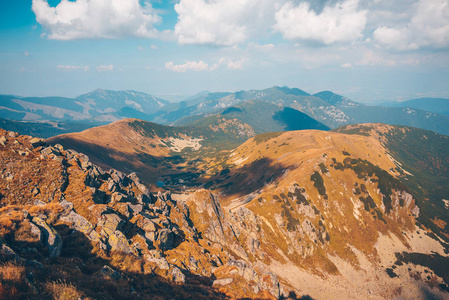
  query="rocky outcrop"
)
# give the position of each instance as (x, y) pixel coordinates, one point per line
(50, 237)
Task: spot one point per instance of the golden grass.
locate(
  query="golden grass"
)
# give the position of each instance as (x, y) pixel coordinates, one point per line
(61, 290)
(12, 272)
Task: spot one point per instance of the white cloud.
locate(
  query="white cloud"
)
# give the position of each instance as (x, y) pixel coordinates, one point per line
(221, 22)
(231, 64)
(341, 23)
(82, 19)
(140, 48)
(153, 47)
(346, 65)
(190, 65)
(427, 28)
(26, 53)
(202, 66)
(105, 68)
(73, 68)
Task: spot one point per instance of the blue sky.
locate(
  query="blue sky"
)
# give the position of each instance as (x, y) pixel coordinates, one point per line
(367, 50)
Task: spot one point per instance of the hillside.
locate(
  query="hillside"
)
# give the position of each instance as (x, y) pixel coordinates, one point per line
(99, 106)
(102, 107)
(325, 107)
(261, 116)
(283, 214)
(157, 153)
(42, 129)
(435, 105)
(70, 230)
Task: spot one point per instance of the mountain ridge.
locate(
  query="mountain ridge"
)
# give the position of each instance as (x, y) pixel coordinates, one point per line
(282, 214)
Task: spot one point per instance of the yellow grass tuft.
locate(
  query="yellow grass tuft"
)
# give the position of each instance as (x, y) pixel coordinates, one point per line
(60, 290)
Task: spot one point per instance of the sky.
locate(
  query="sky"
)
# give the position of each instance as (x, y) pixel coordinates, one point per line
(370, 51)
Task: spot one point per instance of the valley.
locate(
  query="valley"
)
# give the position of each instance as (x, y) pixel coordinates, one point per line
(287, 214)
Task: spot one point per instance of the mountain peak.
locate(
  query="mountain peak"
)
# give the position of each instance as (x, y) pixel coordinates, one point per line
(290, 91)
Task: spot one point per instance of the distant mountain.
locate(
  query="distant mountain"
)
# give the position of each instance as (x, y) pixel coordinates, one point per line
(99, 106)
(262, 116)
(325, 107)
(435, 105)
(328, 108)
(42, 129)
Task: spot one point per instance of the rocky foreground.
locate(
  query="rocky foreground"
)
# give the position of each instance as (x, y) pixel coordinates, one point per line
(67, 226)
(304, 214)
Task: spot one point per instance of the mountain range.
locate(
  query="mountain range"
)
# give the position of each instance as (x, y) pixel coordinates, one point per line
(357, 212)
(270, 194)
(435, 105)
(281, 106)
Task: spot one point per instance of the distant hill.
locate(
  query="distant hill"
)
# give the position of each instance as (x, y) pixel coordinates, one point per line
(42, 129)
(333, 110)
(156, 152)
(262, 116)
(325, 107)
(435, 105)
(99, 106)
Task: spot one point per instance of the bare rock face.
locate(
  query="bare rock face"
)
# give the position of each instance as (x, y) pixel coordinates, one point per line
(50, 237)
(166, 238)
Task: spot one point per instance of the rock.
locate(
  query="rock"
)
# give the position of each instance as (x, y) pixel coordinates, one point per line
(151, 236)
(118, 197)
(223, 281)
(79, 222)
(135, 208)
(270, 282)
(166, 238)
(23, 153)
(117, 176)
(50, 150)
(112, 223)
(118, 242)
(33, 236)
(35, 191)
(112, 186)
(2, 140)
(147, 225)
(51, 238)
(13, 134)
(176, 275)
(107, 271)
(66, 205)
(160, 262)
(59, 147)
(84, 161)
(37, 142)
(39, 203)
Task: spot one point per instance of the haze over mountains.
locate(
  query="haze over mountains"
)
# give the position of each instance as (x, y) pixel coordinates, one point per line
(281, 105)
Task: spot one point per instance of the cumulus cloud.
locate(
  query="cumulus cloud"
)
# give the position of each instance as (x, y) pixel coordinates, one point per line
(105, 68)
(231, 64)
(221, 22)
(427, 28)
(73, 68)
(82, 19)
(190, 65)
(341, 23)
(202, 66)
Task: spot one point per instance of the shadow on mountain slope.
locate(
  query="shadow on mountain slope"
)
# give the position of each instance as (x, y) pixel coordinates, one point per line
(296, 120)
(248, 178)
